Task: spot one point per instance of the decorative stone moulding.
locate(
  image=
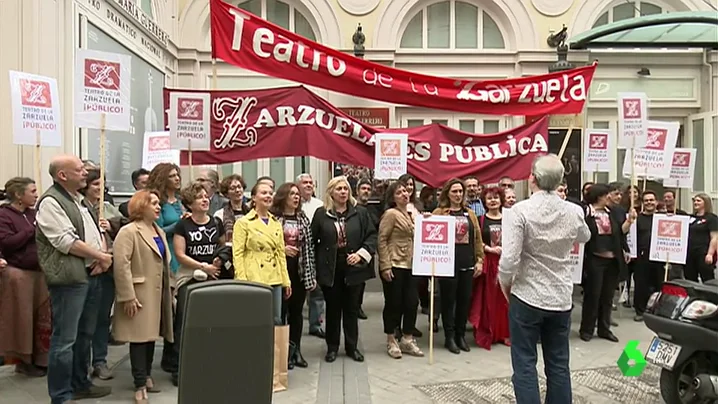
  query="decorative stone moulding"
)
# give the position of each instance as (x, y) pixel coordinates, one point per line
(361, 7)
(552, 8)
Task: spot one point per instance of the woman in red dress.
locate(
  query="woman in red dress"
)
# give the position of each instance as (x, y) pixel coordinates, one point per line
(489, 309)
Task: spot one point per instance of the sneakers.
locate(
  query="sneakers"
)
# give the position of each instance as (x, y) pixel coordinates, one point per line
(102, 372)
(392, 348)
(92, 392)
(409, 347)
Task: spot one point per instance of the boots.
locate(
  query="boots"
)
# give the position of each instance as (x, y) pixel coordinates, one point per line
(295, 357)
(292, 355)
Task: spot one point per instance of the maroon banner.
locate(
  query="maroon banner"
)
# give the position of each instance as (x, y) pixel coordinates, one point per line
(247, 41)
(293, 121)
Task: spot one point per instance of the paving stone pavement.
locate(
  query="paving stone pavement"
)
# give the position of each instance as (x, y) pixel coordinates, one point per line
(479, 376)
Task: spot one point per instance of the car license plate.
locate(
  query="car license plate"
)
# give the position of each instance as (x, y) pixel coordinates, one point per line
(663, 353)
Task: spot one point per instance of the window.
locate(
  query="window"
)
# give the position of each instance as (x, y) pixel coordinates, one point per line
(283, 14)
(452, 25)
(146, 6)
(627, 10)
(463, 123)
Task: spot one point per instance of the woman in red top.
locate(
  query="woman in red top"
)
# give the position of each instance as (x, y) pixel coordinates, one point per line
(489, 312)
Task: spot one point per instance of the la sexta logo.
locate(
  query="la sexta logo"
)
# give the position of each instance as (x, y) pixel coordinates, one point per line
(190, 108)
(390, 148)
(681, 159)
(35, 93)
(656, 139)
(434, 232)
(632, 108)
(102, 74)
(669, 228)
(598, 141)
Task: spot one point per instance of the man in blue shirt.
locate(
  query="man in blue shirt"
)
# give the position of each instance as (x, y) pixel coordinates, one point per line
(473, 195)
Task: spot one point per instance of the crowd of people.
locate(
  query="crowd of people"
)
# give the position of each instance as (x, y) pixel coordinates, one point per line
(76, 277)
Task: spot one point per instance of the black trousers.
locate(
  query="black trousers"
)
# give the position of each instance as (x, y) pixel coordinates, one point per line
(647, 278)
(631, 270)
(455, 302)
(423, 289)
(696, 267)
(600, 282)
(342, 310)
(141, 356)
(292, 309)
(401, 299)
(171, 351)
(361, 294)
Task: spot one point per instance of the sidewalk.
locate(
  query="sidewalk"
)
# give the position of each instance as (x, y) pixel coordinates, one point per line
(476, 377)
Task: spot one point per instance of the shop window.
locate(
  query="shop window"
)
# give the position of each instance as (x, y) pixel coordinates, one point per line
(283, 14)
(452, 25)
(627, 10)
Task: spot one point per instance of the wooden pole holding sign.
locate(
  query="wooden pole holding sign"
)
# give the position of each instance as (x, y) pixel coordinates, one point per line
(103, 140)
(38, 160)
(567, 137)
(634, 180)
(595, 174)
(666, 268)
(189, 160)
(431, 313)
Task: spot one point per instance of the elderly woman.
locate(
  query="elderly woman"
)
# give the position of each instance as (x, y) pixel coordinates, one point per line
(233, 187)
(25, 318)
(142, 286)
(345, 241)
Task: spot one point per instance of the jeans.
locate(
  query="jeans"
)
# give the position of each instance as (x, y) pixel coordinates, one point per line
(277, 301)
(401, 298)
(342, 311)
(74, 320)
(316, 309)
(141, 356)
(527, 324)
(292, 309)
(455, 303)
(102, 333)
(599, 285)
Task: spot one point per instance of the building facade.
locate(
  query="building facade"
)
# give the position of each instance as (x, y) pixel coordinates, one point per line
(468, 39)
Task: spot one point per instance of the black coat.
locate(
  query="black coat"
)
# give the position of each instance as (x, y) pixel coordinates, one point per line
(360, 233)
(619, 243)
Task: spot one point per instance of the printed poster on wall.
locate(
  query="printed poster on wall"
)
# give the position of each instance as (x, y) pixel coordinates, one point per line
(683, 169)
(190, 121)
(631, 239)
(596, 150)
(632, 120)
(435, 246)
(390, 153)
(35, 110)
(654, 160)
(669, 241)
(156, 149)
(102, 88)
(576, 257)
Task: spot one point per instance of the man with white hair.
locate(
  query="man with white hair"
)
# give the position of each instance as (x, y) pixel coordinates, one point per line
(310, 204)
(210, 180)
(535, 274)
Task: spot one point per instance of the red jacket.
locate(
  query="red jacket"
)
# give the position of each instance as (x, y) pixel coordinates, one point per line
(17, 238)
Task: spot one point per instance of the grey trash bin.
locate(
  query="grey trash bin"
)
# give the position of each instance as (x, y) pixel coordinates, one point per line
(227, 344)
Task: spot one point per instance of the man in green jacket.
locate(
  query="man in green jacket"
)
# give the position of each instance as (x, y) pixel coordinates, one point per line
(72, 253)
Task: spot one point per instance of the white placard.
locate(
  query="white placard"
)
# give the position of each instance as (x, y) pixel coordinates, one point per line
(390, 153)
(596, 150)
(669, 238)
(683, 169)
(35, 110)
(654, 160)
(632, 239)
(190, 121)
(102, 87)
(576, 257)
(632, 120)
(434, 245)
(156, 149)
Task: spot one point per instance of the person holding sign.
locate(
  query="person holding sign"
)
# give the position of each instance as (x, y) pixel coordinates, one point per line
(345, 241)
(648, 276)
(605, 257)
(536, 275)
(455, 292)
(702, 240)
(395, 246)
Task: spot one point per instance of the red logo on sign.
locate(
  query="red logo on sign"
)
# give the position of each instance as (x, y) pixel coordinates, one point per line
(598, 141)
(35, 93)
(575, 249)
(669, 228)
(632, 108)
(681, 159)
(656, 139)
(434, 232)
(159, 143)
(190, 108)
(391, 148)
(102, 74)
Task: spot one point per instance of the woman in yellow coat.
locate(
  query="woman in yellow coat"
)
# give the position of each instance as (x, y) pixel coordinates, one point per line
(258, 248)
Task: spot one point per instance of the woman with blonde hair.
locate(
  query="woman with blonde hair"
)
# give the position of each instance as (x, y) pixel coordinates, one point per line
(142, 286)
(702, 240)
(345, 242)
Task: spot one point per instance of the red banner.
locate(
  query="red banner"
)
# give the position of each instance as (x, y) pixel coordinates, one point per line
(293, 121)
(247, 41)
